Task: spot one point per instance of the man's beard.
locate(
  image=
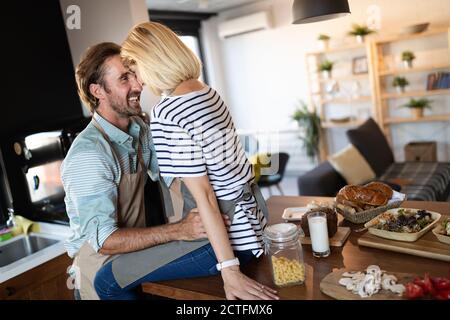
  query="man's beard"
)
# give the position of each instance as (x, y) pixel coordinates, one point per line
(123, 108)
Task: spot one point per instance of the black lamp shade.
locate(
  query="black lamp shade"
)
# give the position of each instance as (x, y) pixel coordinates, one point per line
(307, 11)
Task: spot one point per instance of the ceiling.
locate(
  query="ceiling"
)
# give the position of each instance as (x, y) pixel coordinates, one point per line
(211, 6)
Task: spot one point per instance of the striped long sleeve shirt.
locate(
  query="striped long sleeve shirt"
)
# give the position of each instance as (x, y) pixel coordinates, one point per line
(194, 135)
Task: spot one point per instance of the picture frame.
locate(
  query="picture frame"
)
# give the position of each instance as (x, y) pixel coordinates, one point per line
(359, 65)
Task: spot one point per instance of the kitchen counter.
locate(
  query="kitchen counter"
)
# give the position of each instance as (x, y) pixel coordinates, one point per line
(48, 230)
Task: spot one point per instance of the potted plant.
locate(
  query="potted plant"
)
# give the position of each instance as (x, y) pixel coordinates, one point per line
(407, 58)
(326, 67)
(360, 31)
(323, 41)
(417, 106)
(400, 83)
(310, 123)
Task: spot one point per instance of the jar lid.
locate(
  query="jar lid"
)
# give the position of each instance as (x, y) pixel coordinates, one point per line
(281, 232)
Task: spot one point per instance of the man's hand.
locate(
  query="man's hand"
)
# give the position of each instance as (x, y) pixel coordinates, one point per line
(191, 227)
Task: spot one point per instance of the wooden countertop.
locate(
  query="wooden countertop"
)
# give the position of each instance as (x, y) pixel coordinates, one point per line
(349, 256)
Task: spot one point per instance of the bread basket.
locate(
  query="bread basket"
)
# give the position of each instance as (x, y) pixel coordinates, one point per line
(367, 215)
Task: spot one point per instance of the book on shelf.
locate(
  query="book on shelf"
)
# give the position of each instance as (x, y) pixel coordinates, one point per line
(438, 80)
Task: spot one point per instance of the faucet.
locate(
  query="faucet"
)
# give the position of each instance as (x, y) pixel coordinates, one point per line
(10, 223)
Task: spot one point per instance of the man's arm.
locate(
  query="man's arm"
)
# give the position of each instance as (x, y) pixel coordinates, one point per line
(133, 239)
(125, 240)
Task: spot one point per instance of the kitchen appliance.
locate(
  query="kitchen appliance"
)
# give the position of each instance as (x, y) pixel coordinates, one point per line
(32, 165)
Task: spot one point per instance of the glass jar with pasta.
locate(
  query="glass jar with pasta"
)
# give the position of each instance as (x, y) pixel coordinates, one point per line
(284, 250)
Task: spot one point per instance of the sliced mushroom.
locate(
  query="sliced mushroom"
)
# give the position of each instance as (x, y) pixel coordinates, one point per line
(373, 269)
(345, 281)
(398, 289)
(388, 281)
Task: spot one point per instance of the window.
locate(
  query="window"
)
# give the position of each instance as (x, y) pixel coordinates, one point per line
(193, 43)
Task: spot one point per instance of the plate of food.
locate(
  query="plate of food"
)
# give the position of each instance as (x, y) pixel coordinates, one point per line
(403, 224)
(359, 204)
(296, 213)
(442, 231)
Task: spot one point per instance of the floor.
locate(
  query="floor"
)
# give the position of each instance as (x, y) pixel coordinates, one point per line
(288, 186)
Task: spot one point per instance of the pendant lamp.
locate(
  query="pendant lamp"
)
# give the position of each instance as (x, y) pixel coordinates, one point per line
(307, 11)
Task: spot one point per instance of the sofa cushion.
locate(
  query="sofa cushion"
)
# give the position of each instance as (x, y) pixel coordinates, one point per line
(351, 165)
(322, 181)
(372, 144)
(426, 181)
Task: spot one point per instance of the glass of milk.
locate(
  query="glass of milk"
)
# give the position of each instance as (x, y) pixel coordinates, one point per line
(317, 222)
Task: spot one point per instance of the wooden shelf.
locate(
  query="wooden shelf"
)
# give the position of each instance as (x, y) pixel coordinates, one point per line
(353, 123)
(348, 100)
(424, 93)
(432, 118)
(413, 70)
(346, 78)
(403, 37)
(339, 49)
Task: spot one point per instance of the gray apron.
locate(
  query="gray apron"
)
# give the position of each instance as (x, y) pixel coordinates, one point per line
(132, 266)
(130, 214)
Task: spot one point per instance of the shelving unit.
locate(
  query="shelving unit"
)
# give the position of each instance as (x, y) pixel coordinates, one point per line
(321, 101)
(381, 72)
(379, 75)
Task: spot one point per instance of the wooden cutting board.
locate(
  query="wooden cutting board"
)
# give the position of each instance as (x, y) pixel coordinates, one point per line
(331, 287)
(337, 240)
(428, 246)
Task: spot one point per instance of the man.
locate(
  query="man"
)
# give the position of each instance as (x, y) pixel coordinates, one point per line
(105, 171)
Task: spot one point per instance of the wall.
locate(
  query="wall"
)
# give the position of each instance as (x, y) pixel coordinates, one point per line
(102, 21)
(264, 73)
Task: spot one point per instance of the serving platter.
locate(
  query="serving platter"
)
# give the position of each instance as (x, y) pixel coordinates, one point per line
(294, 213)
(441, 237)
(402, 236)
(428, 246)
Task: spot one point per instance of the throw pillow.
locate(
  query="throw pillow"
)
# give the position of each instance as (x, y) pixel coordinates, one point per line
(352, 166)
(373, 145)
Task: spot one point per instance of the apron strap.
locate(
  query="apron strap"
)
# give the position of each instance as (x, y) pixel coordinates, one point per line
(97, 125)
(252, 189)
(105, 135)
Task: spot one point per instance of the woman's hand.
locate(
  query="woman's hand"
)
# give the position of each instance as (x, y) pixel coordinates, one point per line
(238, 286)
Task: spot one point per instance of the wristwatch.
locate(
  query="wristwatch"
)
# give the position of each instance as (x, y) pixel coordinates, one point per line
(227, 263)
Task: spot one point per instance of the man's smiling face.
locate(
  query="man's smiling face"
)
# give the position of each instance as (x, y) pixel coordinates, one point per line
(122, 89)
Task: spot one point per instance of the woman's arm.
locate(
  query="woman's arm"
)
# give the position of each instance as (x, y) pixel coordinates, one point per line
(236, 284)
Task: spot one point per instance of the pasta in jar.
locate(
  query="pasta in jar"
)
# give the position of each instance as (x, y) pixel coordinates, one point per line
(285, 252)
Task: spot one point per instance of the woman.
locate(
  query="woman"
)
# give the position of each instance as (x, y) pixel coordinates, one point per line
(195, 140)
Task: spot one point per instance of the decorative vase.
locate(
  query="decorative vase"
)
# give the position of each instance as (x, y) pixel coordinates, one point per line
(408, 64)
(400, 89)
(417, 112)
(360, 39)
(323, 44)
(326, 74)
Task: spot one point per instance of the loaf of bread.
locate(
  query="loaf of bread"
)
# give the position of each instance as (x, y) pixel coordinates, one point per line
(363, 195)
(331, 221)
(380, 186)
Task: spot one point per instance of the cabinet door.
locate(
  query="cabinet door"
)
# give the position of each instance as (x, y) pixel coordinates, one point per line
(45, 282)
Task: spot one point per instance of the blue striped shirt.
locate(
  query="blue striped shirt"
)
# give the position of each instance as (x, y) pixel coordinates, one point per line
(194, 135)
(91, 177)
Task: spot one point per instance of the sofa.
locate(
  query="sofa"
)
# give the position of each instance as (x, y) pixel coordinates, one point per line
(424, 181)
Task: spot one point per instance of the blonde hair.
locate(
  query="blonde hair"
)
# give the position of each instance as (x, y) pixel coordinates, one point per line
(162, 59)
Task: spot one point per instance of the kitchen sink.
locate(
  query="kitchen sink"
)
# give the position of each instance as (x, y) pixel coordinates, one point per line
(23, 246)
